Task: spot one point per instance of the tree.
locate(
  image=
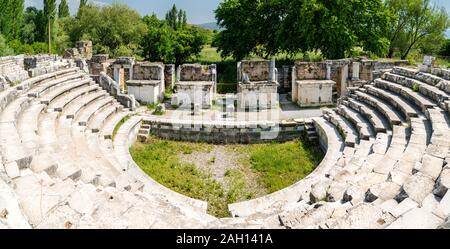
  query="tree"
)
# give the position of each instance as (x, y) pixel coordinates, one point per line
(11, 17)
(268, 27)
(445, 50)
(171, 17)
(4, 48)
(176, 19)
(163, 43)
(111, 28)
(63, 9)
(248, 27)
(414, 22)
(83, 3)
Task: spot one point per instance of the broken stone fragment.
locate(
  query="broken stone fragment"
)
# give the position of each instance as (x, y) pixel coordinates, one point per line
(319, 190)
(443, 183)
(418, 186)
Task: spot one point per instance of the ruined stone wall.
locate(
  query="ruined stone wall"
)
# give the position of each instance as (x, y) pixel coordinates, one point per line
(169, 75)
(100, 63)
(37, 61)
(227, 134)
(256, 70)
(197, 72)
(84, 49)
(148, 71)
(310, 70)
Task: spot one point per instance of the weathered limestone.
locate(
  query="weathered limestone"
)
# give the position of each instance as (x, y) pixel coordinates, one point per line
(82, 49)
(147, 84)
(257, 85)
(196, 84)
(312, 84)
(417, 218)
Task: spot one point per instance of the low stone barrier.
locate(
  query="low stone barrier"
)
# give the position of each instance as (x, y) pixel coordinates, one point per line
(229, 132)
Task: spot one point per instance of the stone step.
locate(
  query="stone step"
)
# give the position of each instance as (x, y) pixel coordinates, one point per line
(406, 108)
(42, 88)
(75, 106)
(10, 147)
(28, 126)
(91, 109)
(49, 144)
(345, 127)
(62, 101)
(421, 101)
(364, 127)
(99, 119)
(52, 95)
(377, 120)
(111, 123)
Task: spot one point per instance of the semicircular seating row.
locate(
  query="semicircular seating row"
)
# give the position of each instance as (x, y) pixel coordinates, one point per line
(59, 168)
(386, 164)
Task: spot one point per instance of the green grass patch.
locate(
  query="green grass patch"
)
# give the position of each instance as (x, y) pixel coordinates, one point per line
(260, 169)
(282, 164)
(160, 159)
(118, 125)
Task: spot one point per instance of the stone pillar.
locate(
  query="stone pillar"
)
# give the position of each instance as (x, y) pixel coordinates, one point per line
(343, 80)
(169, 75)
(328, 75)
(162, 87)
(355, 70)
(178, 74)
(272, 73)
(239, 75)
(117, 73)
(294, 86)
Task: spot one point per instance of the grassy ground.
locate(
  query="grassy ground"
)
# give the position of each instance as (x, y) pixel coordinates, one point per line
(260, 169)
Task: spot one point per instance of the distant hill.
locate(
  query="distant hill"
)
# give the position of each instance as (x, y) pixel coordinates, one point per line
(210, 25)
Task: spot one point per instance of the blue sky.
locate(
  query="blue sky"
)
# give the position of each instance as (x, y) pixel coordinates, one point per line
(198, 11)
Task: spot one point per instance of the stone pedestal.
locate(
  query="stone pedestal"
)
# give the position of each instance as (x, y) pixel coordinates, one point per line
(257, 96)
(314, 92)
(145, 91)
(189, 93)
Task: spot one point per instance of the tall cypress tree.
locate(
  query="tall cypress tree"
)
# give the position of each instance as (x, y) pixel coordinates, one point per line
(63, 9)
(172, 16)
(82, 4)
(50, 16)
(184, 20)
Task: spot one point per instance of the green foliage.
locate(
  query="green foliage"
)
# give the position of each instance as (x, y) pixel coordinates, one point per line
(415, 88)
(160, 160)
(261, 168)
(416, 24)
(164, 43)
(281, 165)
(293, 26)
(118, 125)
(11, 18)
(176, 19)
(445, 49)
(63, 9)
(4, 48)
(114, 29)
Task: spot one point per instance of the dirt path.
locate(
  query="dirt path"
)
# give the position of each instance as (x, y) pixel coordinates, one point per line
(216, 162)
